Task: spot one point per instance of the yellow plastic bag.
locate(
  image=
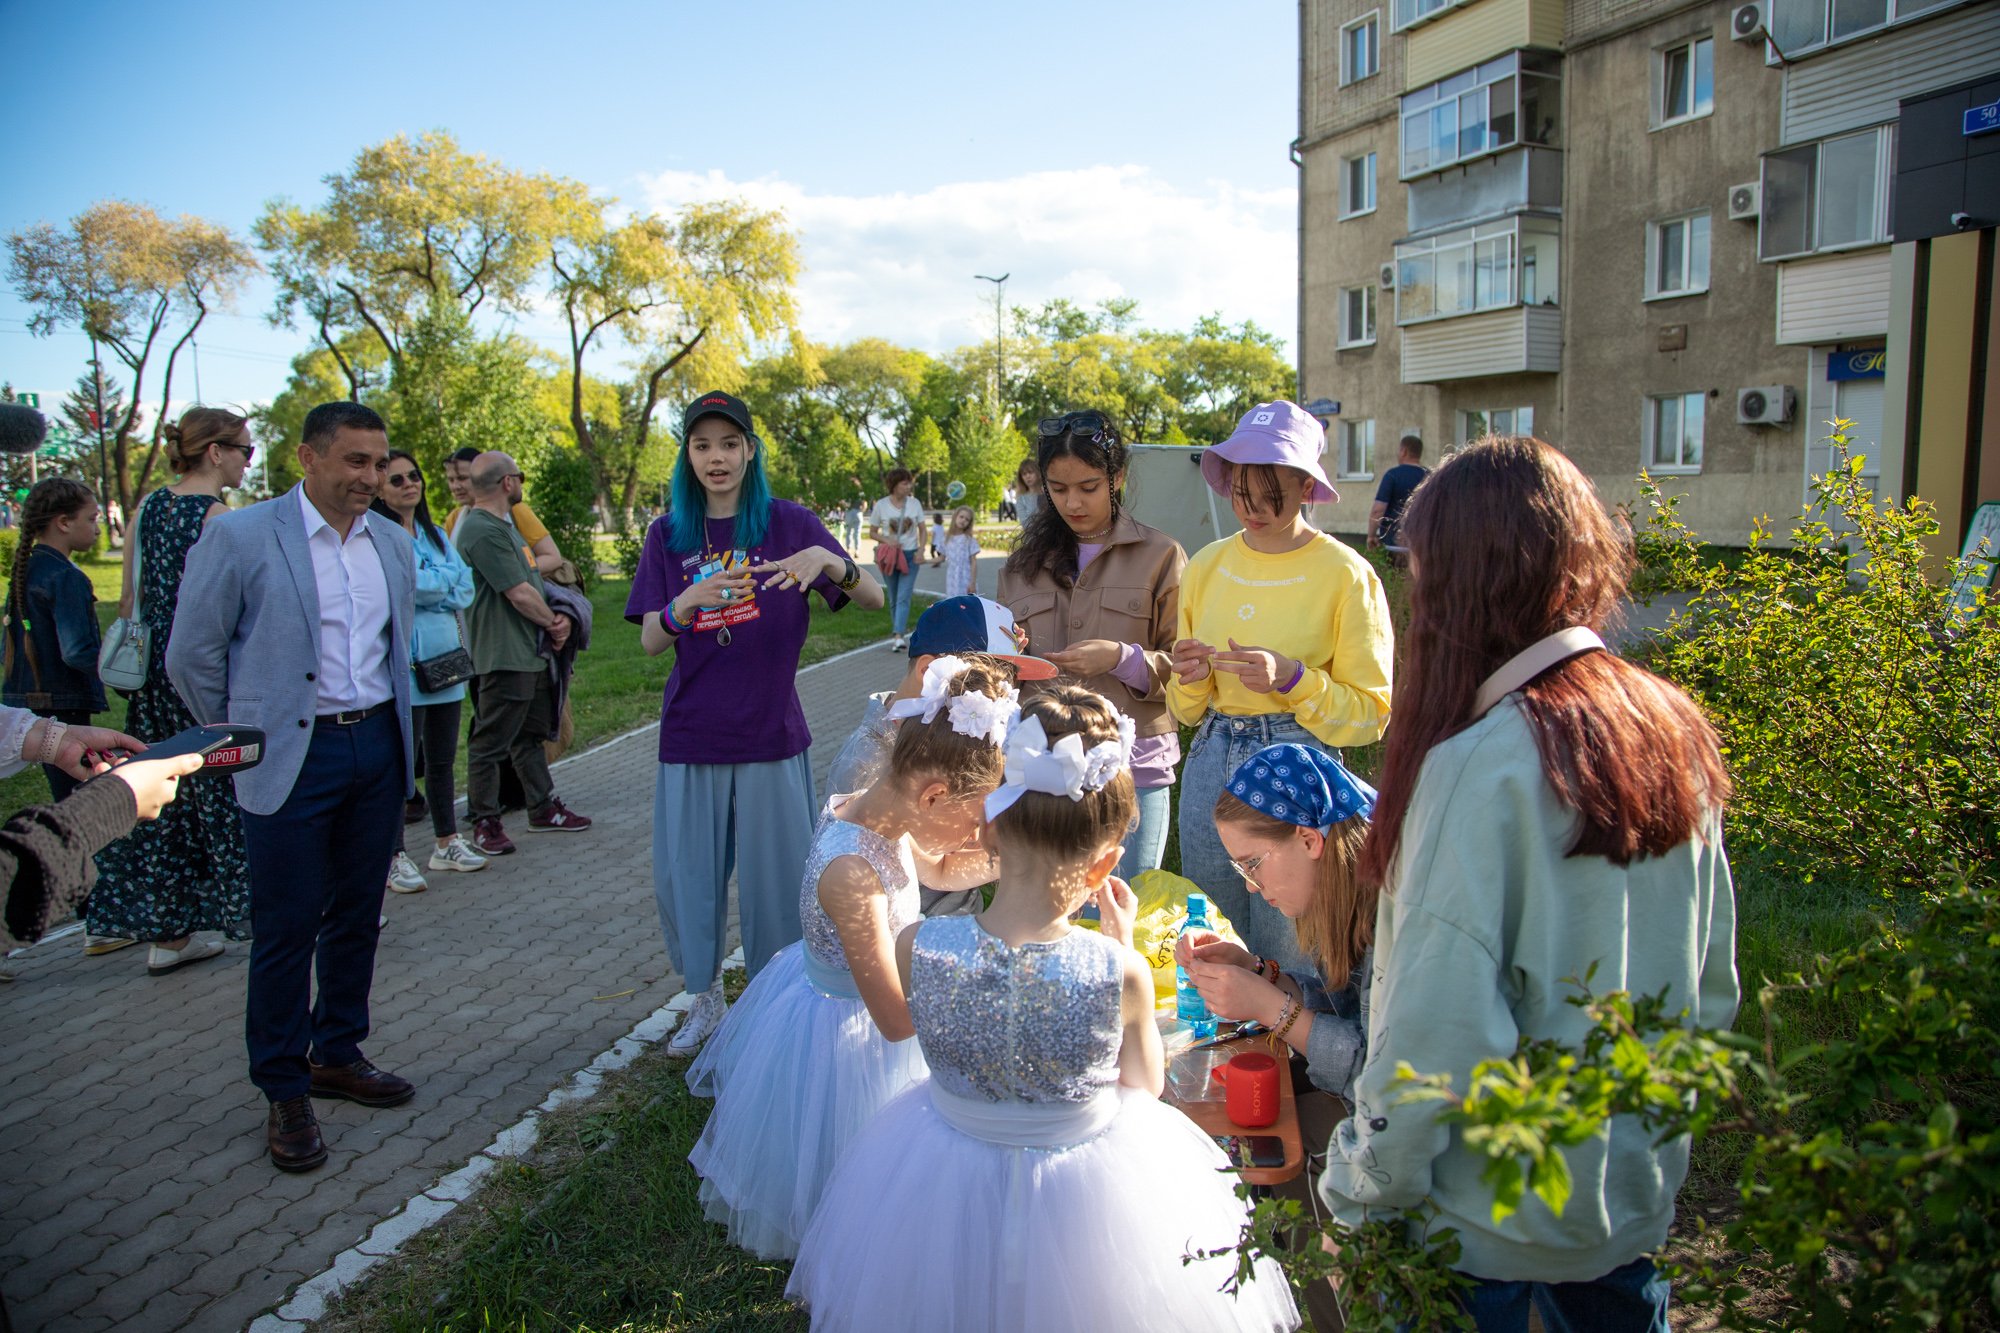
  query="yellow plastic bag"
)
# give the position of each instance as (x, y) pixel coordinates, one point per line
(1162, 912)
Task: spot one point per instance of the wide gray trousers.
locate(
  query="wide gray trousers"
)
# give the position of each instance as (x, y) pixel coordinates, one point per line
(712, 820)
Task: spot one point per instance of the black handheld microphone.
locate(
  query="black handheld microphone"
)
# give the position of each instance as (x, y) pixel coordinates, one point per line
(22, 429)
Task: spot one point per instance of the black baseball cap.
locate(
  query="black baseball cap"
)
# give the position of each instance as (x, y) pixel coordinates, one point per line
(718, 404)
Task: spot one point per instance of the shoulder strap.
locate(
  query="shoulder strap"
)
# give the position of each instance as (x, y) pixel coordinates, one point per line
(1531, 662)
(138, 554)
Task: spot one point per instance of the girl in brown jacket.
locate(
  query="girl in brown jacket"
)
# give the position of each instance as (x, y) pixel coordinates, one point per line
(1098, 592)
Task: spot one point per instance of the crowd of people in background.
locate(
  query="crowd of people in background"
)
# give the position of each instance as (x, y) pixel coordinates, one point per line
(1545, 808)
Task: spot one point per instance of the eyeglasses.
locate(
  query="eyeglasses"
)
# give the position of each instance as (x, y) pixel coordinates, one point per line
(1090, 424)
(1248, 869)
(403, 479)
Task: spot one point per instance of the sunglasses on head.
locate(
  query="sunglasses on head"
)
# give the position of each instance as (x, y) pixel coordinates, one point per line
(1090, 425)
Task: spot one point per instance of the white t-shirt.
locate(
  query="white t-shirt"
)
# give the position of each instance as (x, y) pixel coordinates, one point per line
(902, 524)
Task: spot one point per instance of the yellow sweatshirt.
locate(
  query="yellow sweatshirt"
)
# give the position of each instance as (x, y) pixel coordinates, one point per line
(1320, 604)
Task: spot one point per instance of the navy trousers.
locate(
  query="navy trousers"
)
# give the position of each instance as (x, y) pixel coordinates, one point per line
(318, 866)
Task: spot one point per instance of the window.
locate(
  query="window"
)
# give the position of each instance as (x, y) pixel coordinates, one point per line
(1677, 256)
(1674, 432)
(1828, 195)
(1497, 264)
(1357, 449)
(1797, 26)
(1504, 102)
(1407, 12)
(1477, 424)
(1360, 49)
(1357, 316)
(1357, 185)
(1686, 81)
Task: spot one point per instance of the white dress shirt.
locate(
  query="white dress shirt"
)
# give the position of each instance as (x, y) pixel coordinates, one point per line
(354, 636)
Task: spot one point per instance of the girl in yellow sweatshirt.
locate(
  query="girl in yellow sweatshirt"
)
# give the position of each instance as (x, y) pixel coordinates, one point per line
(1284, 636)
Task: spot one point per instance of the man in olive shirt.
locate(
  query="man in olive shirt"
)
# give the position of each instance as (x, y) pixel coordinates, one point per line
(516, 710)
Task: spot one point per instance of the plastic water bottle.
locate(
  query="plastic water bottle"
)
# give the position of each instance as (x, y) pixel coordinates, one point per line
(1193, 1010)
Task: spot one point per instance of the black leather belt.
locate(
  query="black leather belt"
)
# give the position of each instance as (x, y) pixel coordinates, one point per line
(358, 715)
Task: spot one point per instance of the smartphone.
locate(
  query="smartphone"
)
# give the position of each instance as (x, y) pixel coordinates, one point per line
(1251, 1149)
(224, 746)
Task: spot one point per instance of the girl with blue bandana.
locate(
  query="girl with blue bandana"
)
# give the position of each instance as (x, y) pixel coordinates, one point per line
(1292, 820)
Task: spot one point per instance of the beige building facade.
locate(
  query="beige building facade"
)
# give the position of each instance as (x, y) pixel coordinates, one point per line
(1654, 233)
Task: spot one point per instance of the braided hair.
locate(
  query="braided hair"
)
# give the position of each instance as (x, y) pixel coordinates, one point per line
(53, 498)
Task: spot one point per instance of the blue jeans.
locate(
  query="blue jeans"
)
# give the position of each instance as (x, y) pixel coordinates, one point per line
(1221, 744)
(1631, 1299)
(1146, 844)
(899, 587)
(318, 864)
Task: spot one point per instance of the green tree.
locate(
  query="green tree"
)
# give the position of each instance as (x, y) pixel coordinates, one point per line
(812, 454)
(317, 377)
(412, 223)
(869, 384)
(565, 494)
(1215, 373)
(135, 283)
(984, 455)
(684, 297)
(922, 450)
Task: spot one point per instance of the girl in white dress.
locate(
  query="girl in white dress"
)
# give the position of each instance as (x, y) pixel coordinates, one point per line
(820, 1040)
(1036, 1182)
(960, 549)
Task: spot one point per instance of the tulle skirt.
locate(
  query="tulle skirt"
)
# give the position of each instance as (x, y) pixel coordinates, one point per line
(926, 1227)
(795, 1074)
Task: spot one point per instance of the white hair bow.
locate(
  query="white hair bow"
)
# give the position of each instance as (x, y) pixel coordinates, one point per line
(982, 716)
(1062, 769)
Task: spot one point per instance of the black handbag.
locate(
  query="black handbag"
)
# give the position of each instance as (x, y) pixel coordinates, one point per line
(448, 668)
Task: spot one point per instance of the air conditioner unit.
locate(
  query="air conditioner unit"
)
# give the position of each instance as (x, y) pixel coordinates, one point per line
(1387, 280)
(1746, 22)
(1746, 201)
(1765, 405)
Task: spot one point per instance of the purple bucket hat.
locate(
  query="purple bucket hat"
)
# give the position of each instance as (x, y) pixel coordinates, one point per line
(1282, 433)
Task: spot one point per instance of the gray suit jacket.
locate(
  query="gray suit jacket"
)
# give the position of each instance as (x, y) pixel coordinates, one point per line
(245, 642)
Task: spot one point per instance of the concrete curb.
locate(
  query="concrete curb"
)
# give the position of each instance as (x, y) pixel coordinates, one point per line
(309, 1300)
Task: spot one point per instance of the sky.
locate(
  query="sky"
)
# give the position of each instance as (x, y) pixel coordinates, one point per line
(1088, 150)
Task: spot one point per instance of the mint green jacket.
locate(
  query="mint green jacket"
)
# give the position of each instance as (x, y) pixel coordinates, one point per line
(1476, 942)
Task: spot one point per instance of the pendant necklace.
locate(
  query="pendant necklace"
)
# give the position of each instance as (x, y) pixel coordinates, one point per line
(722, 631)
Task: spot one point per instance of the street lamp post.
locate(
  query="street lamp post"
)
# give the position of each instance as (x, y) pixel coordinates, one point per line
(999, 354)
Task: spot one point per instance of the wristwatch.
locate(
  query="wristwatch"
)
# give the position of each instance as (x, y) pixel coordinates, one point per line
(850, 577)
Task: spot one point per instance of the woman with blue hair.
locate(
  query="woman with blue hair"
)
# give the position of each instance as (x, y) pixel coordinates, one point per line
(722, 582)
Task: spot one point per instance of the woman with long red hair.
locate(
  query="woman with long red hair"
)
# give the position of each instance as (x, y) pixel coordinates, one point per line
(1546, 808)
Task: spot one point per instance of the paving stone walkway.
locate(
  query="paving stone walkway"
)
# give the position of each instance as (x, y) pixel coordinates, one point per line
(134, 1190)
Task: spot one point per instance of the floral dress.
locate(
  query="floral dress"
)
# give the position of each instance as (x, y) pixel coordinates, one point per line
(186, 870)
(961, 549)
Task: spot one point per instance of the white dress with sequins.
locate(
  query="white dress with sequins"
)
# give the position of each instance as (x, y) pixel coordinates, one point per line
(799, 1067)
(1022, 1187)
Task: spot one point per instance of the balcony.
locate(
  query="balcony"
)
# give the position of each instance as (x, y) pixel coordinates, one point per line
(1488, 108)
(1487, 187)
(1521, 340)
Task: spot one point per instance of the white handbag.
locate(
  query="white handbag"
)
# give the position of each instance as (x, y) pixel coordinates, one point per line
(127, 648)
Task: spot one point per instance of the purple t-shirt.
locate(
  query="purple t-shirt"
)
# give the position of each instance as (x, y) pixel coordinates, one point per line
(736, 703)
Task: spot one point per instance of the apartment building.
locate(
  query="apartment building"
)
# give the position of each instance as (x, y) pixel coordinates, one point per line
(1655, 233)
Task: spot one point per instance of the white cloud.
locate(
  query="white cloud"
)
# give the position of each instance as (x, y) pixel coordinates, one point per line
(900, 266)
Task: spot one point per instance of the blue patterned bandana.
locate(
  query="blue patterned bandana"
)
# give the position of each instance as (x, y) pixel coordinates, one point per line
(1301, 785)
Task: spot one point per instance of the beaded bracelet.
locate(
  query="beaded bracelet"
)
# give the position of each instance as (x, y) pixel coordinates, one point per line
(1267, 968)
(1293, 1007)
(674, 627)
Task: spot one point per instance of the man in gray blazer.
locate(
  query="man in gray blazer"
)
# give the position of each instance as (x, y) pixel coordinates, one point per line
(295, 617)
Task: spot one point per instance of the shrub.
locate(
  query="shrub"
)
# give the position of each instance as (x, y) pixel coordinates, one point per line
(1859, 709)
(10, 545)
(565, 499)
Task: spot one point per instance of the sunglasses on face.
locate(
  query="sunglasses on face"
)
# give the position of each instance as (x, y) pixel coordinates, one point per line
(1248, 869)
(402, 479)
(1090, 425)
(249, 451)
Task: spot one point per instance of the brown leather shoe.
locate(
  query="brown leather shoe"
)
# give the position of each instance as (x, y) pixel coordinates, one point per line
(291, 1134)
(361, 1082)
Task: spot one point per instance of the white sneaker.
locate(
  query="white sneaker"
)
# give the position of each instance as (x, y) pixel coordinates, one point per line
(703, 1017)
(404, 877)
(161, 960)
(457, 855)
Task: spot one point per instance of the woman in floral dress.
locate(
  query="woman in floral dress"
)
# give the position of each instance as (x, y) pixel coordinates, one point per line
(185, 871)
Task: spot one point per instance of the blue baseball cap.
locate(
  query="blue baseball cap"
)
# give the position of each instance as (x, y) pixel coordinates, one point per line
(975, 625)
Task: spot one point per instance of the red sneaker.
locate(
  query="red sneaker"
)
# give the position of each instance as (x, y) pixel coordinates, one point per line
(489, 835)
(555, 817)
